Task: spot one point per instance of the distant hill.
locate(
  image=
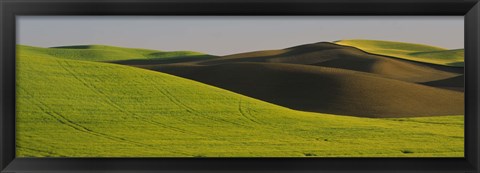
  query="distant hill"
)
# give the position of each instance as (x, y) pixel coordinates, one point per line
(112, 53)
(345, 57)
(410, 51)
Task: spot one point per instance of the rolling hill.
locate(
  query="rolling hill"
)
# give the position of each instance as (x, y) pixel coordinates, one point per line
(337, 56)
(332, 55)
(325, 89)
(72, 108)
(410, 51)
(329, 78)
(112, 53)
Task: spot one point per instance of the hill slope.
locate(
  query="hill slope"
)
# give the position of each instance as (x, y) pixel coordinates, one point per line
(111, 53)
(329, 78)
(325, 89)
(344, 57)
(410, 51)
(69, 108)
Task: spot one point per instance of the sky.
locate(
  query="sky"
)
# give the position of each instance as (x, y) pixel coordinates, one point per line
(222, 35)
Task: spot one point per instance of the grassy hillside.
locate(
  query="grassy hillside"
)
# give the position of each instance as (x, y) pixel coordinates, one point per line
(110, 53)
(70, 108)
(410, 51)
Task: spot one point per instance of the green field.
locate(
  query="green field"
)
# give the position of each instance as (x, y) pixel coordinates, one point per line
(68, 106)
(410, 51)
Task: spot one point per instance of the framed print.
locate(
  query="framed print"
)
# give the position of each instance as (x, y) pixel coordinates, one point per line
(239, 86)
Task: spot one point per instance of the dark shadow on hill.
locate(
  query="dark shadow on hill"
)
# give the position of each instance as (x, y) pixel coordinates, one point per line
(296, 55)
(456, 83)
(345, 57)
(73, 47)
(79, 46)
(457, 64)
(325, 90)
(170, 60)
(326, 78)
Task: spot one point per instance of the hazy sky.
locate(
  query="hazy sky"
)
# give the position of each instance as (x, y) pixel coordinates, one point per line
(228, 34)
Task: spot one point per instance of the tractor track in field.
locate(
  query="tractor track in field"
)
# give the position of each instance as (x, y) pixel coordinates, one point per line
(167, 94)
(41, 151)
(64, 120)
(189, 109)
(246, 114)
(118, 107)
(135, 116)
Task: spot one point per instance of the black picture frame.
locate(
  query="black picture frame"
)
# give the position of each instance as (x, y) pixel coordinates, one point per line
(9, 9)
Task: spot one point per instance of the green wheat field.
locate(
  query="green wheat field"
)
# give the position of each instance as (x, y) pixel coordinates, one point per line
(350, 98)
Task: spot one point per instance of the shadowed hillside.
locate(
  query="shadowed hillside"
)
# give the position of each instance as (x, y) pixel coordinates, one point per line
(454, 83)
(330, 78)
(337, 56)
(332, 55)
(324, 89)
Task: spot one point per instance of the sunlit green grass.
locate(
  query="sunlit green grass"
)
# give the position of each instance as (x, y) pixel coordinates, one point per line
(71, 108)
(410, 51)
